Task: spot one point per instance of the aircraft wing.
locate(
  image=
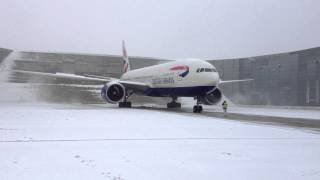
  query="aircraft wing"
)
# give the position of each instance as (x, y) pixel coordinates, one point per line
(62, 75)
(132, 85)
(135, 86)
(234, 81)
(100, 77)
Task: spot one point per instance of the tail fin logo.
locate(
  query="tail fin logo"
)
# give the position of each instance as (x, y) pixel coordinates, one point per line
(184, 69)
(126, 64)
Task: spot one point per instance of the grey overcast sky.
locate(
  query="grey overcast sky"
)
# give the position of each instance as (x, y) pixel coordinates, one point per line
(210, 29)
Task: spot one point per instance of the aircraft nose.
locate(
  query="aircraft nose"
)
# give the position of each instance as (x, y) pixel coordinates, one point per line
(214, 78)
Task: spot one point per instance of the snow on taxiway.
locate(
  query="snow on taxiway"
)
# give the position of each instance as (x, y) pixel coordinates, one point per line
(94, 142)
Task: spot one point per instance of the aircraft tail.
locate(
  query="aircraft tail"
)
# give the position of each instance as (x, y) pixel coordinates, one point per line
(126, 63)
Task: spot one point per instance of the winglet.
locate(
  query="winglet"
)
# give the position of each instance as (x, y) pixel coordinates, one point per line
(126, 63)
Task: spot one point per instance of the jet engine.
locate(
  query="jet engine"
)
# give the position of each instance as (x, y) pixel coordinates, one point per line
(212, 98)
(113, 92)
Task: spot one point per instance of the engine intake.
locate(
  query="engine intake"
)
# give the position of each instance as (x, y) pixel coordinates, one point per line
(113, 92)
(212, 98)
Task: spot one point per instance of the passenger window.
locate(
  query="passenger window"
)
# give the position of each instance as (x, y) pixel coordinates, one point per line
(198, 70)
(202, 69)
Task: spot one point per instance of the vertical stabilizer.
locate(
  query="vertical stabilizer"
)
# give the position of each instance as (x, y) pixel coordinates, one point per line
(126, 63)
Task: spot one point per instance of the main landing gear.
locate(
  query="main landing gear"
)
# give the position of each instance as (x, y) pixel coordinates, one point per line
(125, 103)
(173, 103)
(197, 108)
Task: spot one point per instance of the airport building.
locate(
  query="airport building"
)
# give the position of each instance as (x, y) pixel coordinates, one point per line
(286, 79)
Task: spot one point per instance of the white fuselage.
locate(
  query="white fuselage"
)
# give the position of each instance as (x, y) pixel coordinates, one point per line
(188, 73)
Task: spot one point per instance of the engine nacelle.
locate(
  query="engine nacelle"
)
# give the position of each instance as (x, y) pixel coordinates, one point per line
(212, 98)
(113, 92)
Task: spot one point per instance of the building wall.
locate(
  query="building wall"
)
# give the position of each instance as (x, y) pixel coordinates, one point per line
(309, 77)
(287, 79)
(103, 65)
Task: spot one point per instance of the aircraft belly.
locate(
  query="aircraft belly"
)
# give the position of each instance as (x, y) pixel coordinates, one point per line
(179, 91)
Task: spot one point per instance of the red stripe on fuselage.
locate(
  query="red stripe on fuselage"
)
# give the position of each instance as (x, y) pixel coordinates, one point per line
(176, 68)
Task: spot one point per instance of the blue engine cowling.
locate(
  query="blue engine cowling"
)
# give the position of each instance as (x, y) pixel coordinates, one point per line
(113, 92)
(212, 97)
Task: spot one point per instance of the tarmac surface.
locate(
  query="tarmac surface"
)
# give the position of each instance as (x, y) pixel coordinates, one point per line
(270, 120)
(301, 123)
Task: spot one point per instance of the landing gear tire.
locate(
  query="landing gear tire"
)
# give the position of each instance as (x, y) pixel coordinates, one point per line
(125, 104)
(173, 105)
(197, 109)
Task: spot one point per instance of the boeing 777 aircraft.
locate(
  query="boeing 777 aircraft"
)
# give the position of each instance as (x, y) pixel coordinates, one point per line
(183, 78)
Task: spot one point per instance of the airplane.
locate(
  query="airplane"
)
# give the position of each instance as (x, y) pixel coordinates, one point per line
(181, 78)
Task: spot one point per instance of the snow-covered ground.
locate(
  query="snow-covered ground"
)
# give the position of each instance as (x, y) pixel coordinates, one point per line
(278, 112)
(96, 142)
